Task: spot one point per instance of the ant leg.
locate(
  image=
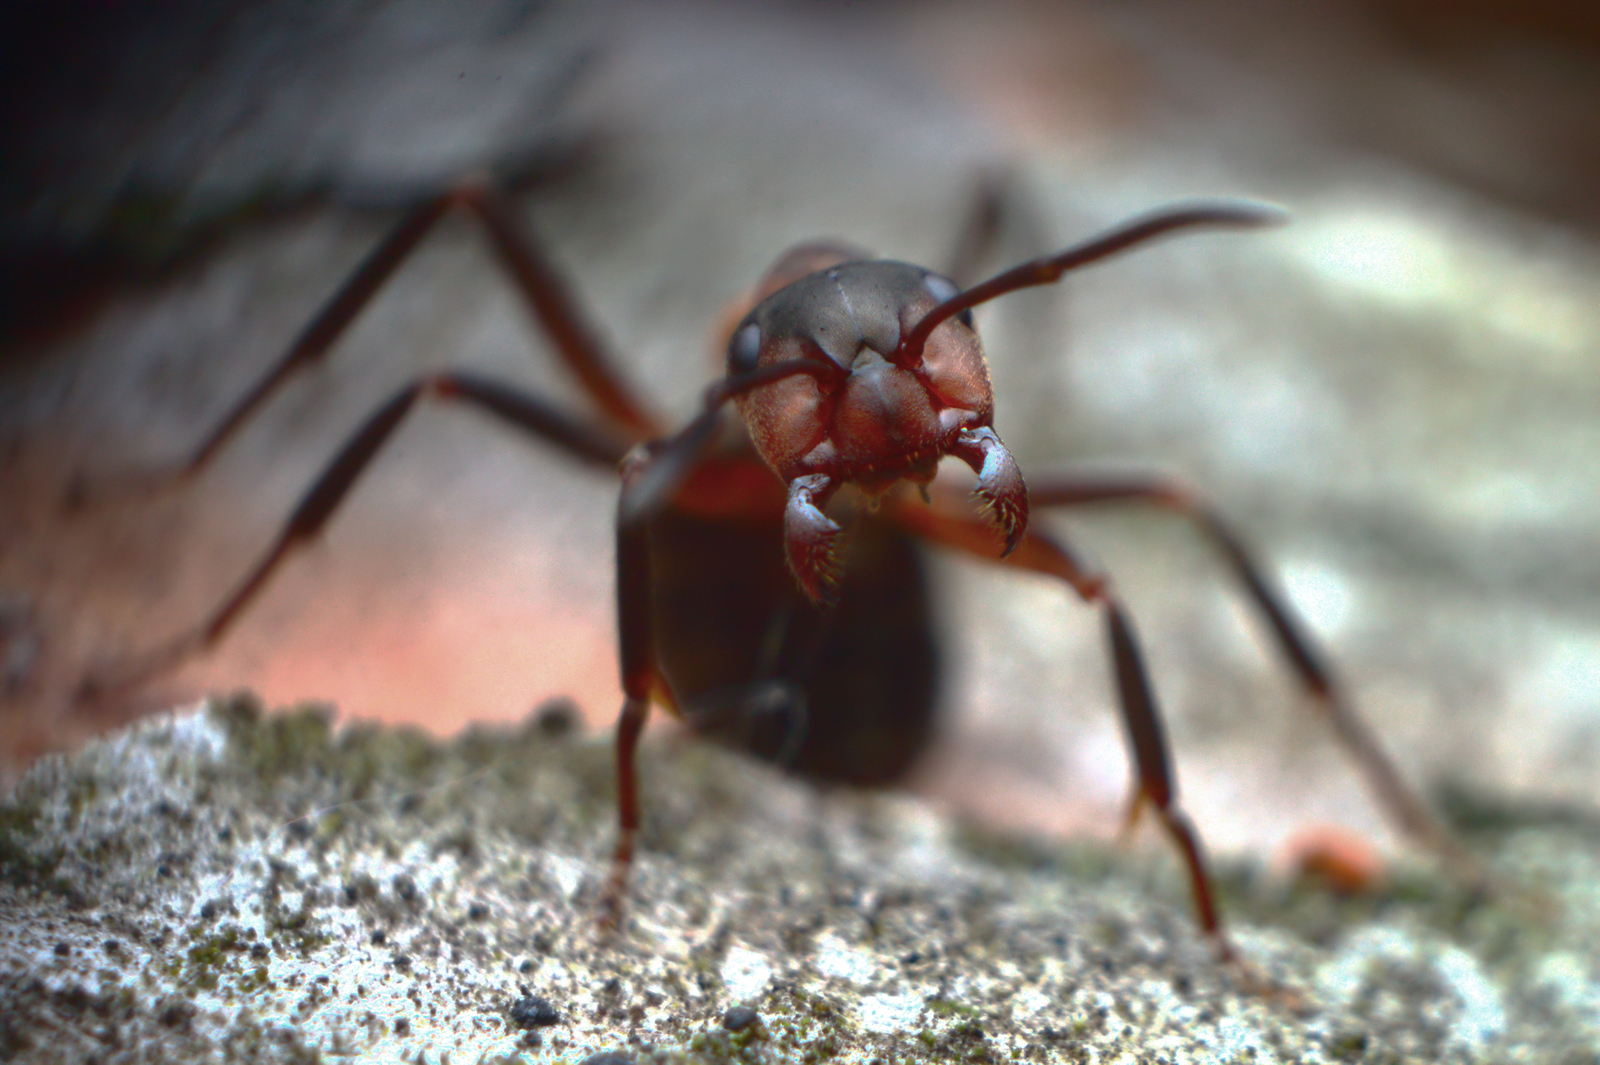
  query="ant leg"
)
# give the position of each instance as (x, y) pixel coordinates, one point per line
(1405, 808)
(557, 311)
(980, 229)
(637, 655)
(595, 443)
(1156, 786)
(537, 281)
(652, 473)
(326, 326)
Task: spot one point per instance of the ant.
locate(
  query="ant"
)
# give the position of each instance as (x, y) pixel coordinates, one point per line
(770, 588)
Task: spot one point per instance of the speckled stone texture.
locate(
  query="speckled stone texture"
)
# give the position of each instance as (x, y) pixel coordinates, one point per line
(219, 885)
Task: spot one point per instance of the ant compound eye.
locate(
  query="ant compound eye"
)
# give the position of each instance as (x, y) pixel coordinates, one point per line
(942, 289)
(744, 350)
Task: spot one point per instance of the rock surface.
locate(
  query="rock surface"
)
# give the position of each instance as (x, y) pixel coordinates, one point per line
(224, 885)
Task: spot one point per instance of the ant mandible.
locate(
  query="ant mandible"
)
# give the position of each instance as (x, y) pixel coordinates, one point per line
(769, 585)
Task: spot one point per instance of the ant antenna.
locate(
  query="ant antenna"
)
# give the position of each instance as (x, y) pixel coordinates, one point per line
(1048, 269)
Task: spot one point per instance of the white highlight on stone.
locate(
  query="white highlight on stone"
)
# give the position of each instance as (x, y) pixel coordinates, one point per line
(1383, 251)
(1398, 252)
(566, 873)
(1321, 594)
(745, 974)
(1564, 674)
(1567, 976)
(1483, 1014)
(889, 1014)
(838, 959)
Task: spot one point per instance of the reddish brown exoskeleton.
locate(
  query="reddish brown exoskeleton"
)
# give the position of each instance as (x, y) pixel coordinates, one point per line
(769, 582)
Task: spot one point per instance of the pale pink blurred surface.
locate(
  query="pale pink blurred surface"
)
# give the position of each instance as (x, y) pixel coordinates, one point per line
(1398, 463)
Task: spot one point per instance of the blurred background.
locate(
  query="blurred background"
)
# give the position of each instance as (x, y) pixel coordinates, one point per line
(1396, 398)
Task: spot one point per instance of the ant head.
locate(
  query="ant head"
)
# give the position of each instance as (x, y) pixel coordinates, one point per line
(864, 415)
(870, 372)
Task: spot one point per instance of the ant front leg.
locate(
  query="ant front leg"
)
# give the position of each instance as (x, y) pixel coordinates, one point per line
(1156, 786)
(640, 672)
(1395, 797)
(652, 473)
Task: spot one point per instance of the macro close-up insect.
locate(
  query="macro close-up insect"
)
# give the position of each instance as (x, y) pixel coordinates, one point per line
(770, 587)
(891, 531)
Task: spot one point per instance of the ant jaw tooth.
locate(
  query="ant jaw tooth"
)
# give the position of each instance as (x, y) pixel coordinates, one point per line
(1001, 489)
(810, 537)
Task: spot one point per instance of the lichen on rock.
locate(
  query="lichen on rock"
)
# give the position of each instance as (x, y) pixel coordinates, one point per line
(226, 884)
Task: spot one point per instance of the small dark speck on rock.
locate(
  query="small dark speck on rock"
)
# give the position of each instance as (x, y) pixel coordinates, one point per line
(555, 718)
(402, 1026)
(1348, 1045)
(177, 1014)
(477, 911)
(379, 938)
(738, 1018)
(63, 949)
(609, 1057)
(402, 961)
(534, 1011)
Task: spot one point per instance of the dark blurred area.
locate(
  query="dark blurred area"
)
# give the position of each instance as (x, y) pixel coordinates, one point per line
(137, 136)
(110, 166)
(183, 183)
(1491, 94)
(80, 81)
